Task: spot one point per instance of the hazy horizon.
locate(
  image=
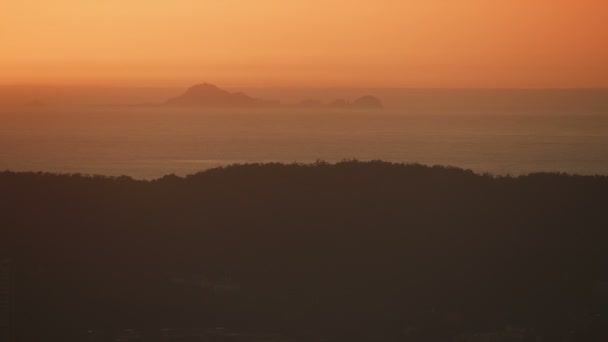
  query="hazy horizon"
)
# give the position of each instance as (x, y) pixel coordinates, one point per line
(58, 94)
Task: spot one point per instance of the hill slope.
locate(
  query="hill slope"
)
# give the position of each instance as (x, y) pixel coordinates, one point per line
(350, 250)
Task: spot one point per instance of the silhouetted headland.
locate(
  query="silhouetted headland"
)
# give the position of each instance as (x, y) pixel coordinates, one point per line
(353, 251)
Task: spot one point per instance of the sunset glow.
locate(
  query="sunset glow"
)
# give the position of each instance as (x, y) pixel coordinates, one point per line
(380, 43)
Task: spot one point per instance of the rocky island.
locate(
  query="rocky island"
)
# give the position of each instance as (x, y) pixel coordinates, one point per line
(209, 95)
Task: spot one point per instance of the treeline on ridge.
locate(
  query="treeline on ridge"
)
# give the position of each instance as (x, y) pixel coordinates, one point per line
(354, 249)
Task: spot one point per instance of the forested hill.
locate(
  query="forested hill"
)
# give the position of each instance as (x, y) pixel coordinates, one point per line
(347, 250)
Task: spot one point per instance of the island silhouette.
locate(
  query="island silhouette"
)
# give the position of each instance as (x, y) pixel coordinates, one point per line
(209, 95)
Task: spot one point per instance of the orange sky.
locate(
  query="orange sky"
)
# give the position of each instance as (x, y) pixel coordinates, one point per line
(353, 43)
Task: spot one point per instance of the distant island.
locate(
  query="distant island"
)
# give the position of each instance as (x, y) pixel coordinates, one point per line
(209, 95)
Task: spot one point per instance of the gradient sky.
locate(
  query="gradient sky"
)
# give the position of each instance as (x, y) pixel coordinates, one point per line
(311, 43)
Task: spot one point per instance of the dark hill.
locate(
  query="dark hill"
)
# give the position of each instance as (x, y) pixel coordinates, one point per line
(347, 251)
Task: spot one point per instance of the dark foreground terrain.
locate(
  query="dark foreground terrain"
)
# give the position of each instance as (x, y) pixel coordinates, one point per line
(347, 251)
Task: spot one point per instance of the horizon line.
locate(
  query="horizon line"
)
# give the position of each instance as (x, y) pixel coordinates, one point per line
(288, 87)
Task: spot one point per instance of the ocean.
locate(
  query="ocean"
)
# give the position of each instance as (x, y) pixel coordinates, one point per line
(148, 142)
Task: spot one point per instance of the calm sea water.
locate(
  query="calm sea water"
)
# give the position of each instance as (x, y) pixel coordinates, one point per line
(154, 141)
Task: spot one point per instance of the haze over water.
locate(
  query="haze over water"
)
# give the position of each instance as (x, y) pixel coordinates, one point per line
(485, 133)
